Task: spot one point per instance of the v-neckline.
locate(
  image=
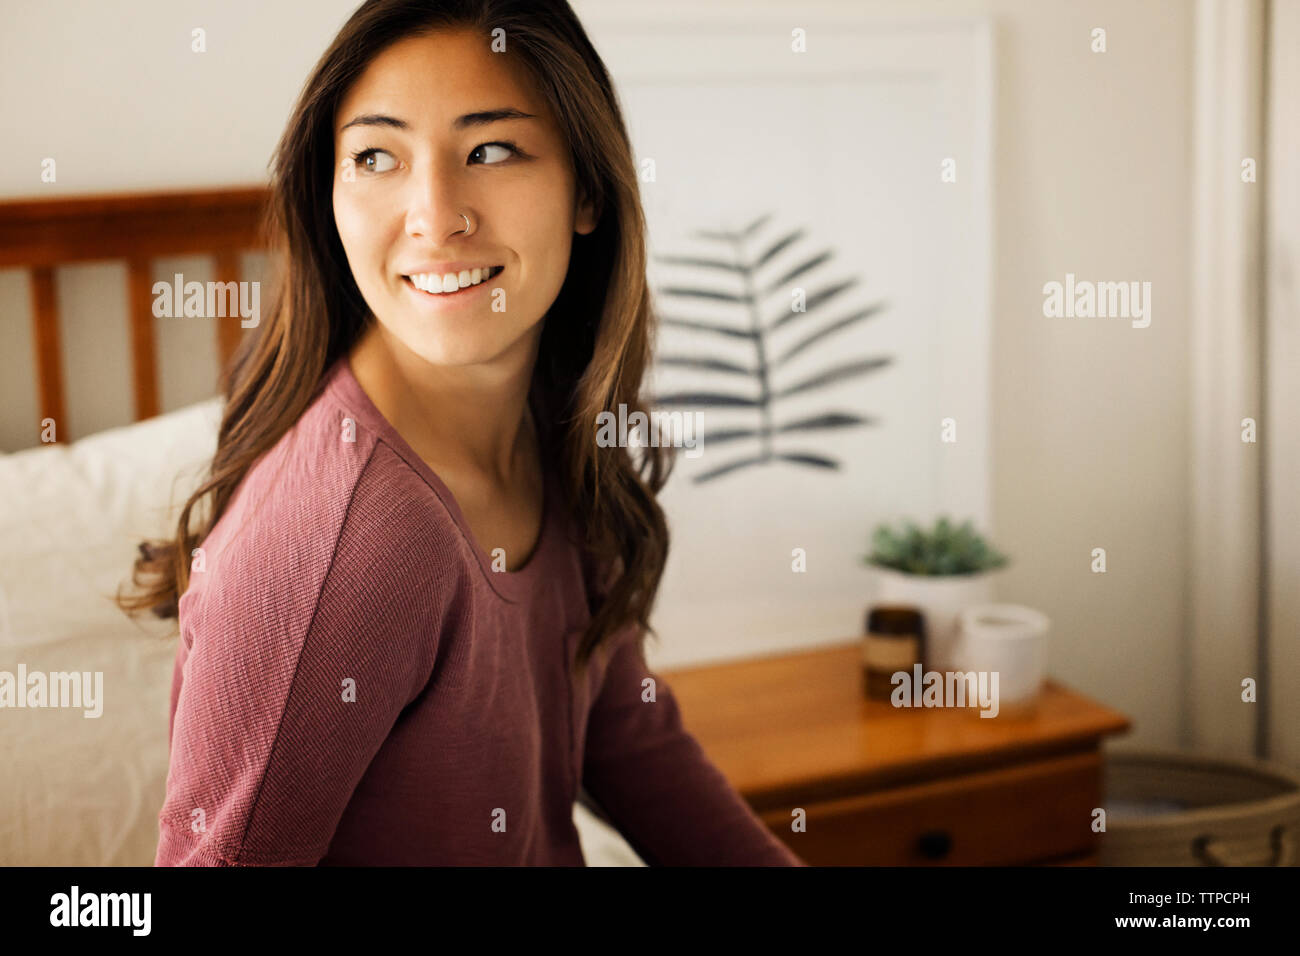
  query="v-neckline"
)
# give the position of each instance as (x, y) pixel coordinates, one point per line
(511, 586)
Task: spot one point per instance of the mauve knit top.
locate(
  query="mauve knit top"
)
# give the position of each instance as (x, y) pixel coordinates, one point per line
(355, 685)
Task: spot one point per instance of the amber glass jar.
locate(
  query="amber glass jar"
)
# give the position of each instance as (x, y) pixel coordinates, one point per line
(895, 641)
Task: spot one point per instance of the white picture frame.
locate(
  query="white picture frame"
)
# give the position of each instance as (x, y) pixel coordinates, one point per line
(719, 109)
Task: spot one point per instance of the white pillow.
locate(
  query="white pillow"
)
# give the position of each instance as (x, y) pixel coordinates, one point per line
(86, 790)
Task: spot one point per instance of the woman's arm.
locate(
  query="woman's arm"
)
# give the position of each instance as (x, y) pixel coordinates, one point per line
(656, 785)
(282, 710)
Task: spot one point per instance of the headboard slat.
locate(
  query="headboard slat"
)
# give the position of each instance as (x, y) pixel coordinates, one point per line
(228, 328)
(140, 317)
(49, 356)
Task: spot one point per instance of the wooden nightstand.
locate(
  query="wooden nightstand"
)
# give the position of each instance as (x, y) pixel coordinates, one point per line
(887, 786)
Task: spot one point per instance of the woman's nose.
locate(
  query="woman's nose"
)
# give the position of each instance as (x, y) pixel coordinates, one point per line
(437, 201)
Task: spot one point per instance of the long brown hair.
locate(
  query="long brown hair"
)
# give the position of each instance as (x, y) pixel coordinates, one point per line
(592, 356)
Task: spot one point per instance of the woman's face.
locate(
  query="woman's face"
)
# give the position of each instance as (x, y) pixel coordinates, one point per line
(412, 153)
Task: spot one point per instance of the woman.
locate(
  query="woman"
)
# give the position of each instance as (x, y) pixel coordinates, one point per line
(412, 619)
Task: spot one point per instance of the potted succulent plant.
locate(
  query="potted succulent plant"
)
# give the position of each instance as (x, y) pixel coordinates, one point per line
(940, 571)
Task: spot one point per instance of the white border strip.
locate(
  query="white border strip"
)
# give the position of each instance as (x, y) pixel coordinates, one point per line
(1281, 427)
(1223, 636)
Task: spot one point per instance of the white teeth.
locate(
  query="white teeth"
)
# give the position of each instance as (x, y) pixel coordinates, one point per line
(450, 282)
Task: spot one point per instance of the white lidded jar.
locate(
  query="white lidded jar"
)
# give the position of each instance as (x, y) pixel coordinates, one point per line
(1010, 640)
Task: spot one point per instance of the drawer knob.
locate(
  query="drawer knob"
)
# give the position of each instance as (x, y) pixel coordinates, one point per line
(934, 844)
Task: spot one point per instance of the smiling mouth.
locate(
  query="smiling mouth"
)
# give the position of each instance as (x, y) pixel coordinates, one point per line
(435, 288)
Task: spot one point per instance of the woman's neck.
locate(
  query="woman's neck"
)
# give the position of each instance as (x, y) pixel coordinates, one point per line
(463, 420)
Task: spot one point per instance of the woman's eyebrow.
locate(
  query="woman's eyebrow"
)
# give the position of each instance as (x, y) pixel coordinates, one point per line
(481, 118)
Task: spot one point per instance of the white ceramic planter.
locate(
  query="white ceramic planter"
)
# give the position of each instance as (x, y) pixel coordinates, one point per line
(1010, 639)
(941, 599)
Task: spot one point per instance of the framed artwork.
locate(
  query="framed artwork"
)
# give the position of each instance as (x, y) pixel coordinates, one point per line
(818, 206)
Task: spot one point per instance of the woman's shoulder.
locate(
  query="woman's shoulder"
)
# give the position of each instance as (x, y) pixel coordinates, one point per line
(324, 502)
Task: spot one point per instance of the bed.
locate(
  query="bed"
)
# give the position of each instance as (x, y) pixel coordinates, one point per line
(84, 790)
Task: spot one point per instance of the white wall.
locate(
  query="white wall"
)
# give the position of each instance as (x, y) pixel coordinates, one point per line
(1092, 156)
(1090, 417)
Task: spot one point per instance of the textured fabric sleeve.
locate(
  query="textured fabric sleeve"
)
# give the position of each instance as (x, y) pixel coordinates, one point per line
(656, 785)
(278, 717)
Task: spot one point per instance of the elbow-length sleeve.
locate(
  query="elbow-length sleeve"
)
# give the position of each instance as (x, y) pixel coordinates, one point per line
(294, 678)
(656, 784)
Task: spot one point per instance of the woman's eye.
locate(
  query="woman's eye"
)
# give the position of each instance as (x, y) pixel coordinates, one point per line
(368, 160)
(508, 148)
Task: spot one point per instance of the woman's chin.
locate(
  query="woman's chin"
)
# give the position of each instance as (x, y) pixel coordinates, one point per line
(456, 351)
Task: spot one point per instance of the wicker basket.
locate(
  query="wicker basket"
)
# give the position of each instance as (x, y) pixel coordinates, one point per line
(1178, 809)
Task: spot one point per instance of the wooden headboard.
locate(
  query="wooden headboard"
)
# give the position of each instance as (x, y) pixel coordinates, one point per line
(41, 234)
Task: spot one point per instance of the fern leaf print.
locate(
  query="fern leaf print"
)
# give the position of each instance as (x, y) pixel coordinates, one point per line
(740, 277)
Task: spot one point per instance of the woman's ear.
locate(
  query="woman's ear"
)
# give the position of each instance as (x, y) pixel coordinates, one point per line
(587, 216)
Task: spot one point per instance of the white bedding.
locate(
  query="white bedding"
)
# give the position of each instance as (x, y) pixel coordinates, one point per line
(80, 790)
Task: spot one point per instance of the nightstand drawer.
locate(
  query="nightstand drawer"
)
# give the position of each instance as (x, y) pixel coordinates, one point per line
(1014, 815)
